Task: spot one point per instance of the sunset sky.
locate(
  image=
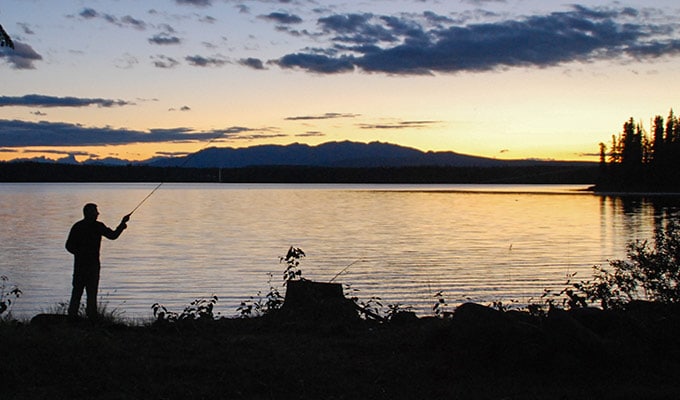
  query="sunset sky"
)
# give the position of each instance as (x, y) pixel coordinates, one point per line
(496, 78)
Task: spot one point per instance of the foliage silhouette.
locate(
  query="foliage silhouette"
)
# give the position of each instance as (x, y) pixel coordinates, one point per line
(7, 293)
(198, 310)
(639, 161)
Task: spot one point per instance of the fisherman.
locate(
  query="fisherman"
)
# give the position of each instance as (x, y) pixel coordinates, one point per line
(84, 242)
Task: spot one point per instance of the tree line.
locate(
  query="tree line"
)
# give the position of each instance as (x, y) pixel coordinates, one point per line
(641, 160)
(49, 172)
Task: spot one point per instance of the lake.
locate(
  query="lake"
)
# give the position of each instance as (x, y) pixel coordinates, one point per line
(402, 243)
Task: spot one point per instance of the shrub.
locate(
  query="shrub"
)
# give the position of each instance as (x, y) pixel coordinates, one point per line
(651, 272)
(199, 309)
(7, 293)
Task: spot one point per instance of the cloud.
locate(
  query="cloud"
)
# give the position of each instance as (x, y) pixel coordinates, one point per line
(59, 152)
(161, 61)
(14, 133)
(282, 18)
(164, 39)
(400, 125)
(318, 63)
(311, 134)
(36, 100)
(208, 19)
(197, 3)
(88, 13)
(254, 63)
(125, 21)
(26, 28)
(200, 61)
(126, 61)
(21, 57)
(323, 116)
(429, 44)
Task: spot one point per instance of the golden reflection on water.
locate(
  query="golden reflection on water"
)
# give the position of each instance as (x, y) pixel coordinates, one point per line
(405, 243)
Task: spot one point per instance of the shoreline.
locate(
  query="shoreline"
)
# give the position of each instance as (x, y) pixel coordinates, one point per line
(478, 353)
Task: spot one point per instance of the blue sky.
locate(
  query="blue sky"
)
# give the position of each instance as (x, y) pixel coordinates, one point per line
(495, 78)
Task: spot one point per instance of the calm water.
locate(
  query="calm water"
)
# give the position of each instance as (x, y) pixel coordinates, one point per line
(479, 243)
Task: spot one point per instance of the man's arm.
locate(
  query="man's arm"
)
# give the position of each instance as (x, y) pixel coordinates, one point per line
(71, 245)
(114, 234)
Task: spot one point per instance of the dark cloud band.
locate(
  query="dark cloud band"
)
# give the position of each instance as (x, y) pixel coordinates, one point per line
(405, 45)
(36, 100)
(14, 133)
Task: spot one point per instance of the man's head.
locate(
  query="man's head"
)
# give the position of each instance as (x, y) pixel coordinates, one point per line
(90, 211)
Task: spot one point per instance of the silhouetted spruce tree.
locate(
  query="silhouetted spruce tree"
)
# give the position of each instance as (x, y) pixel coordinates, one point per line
(637, 161)
(658, 146)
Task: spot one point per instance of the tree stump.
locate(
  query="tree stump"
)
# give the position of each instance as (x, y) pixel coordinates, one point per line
(318, 301)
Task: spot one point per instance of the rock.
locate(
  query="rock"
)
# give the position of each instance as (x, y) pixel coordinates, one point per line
(569, 334)
(404, 318)
(483, 334)
(317, 302)
(52, 319)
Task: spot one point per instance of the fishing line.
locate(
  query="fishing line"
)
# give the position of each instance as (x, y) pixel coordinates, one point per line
(186, 160)
(345, 269)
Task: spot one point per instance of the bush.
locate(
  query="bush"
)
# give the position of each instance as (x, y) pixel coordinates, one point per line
(197, 310)
(651, 272)
(7, 293)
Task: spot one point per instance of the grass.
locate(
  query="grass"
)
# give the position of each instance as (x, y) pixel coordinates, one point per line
(482, 353)
(274, 358)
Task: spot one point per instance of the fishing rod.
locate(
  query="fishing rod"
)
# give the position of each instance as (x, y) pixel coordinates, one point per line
(186, 160)
(345, 269)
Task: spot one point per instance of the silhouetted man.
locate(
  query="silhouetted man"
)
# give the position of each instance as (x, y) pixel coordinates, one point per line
(84, 241)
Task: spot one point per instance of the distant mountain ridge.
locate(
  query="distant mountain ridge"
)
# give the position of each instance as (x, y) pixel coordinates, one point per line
(344, 154)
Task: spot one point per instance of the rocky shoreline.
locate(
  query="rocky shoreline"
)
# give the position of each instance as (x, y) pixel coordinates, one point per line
(477, 353)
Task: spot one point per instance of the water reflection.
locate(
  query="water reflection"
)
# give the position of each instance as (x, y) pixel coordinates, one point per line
(637, 216)
(194, 240)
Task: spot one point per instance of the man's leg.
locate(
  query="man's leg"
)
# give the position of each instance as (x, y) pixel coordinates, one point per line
(92, 288)
(76, 294)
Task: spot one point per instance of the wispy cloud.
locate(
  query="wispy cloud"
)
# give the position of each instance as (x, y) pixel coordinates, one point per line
(400, 125)
(200, 61)
(197, 3)
(161, 61)
(164, 39)
(21, 57)
(331, 115)
(311, 134)
(36, 100)
(14, 133)
(254, 63)
(282, 18)
(435, 44)
(126, 21)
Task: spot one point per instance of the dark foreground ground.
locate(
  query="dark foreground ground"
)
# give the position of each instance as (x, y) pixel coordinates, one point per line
(479, 353)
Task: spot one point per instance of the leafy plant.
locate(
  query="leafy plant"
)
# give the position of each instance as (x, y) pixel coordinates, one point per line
(257, 306)
(651, 272)
(440, 305)
(394, 309)
(200, 309)
(292, 260)
(500, 306)
(373, 308)
(7, 293)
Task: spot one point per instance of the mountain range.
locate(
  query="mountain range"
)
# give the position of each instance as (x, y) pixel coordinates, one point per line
(331, 154)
